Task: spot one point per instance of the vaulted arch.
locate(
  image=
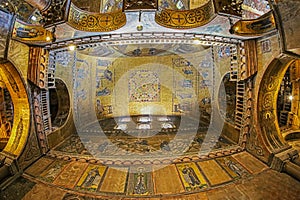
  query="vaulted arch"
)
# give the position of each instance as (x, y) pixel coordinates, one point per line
(21, 115)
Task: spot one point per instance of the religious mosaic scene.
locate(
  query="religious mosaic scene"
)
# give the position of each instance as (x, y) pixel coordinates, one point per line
(149, 100)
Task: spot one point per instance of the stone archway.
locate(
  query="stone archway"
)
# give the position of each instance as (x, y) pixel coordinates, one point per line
(275, 151)
(267, 104)
(21, 115)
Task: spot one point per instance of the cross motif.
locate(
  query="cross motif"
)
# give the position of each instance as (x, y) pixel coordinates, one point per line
(106, 20)
(178, 18)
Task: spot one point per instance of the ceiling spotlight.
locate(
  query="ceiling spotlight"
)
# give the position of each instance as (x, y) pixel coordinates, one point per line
(291, 97)
(72, 47)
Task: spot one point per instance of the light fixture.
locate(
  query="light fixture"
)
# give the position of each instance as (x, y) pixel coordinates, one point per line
(48, 38)
(33, 18)
(139, 27)
(72, 47)
(291, 97)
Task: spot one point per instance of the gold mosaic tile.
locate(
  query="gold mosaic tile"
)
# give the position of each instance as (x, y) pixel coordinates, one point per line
(91, 178)
(252, 164)
(140, 181)
(214, 172)
(191, 176)
(53, 170)
(70, 175)
(233, 168)
(38, 167)
(114, 180)
(45, 192)
(166, 180)
(197, 196)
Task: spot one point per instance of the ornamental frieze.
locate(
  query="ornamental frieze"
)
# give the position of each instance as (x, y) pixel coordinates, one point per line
(95, 22)
(55, 13)
(184, 19)
(272, 84)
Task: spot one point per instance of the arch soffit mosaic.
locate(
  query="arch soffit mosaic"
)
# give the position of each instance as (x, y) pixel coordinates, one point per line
(21, 124)
(266, 117)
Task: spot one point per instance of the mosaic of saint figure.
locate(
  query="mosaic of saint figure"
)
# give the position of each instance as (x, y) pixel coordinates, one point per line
(99, 107)
(28, 32)
(140, 187)
(91, 178)
(190, 176)
(103, 92)
(108, 75)
(234, 167)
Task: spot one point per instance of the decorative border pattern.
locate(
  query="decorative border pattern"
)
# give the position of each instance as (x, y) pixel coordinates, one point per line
(130, 162)
(38, 65)
(38, 116)
(184, 19)
(95, 22)
(139, 38)
(55, 13)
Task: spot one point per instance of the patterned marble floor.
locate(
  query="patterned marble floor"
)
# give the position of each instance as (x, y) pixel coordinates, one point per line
(238, 176)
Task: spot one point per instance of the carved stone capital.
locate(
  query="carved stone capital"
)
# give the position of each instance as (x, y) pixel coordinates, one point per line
(280, 159)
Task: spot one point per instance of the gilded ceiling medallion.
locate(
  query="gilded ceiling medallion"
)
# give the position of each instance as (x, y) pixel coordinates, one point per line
(95, 22)
(183, 19)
